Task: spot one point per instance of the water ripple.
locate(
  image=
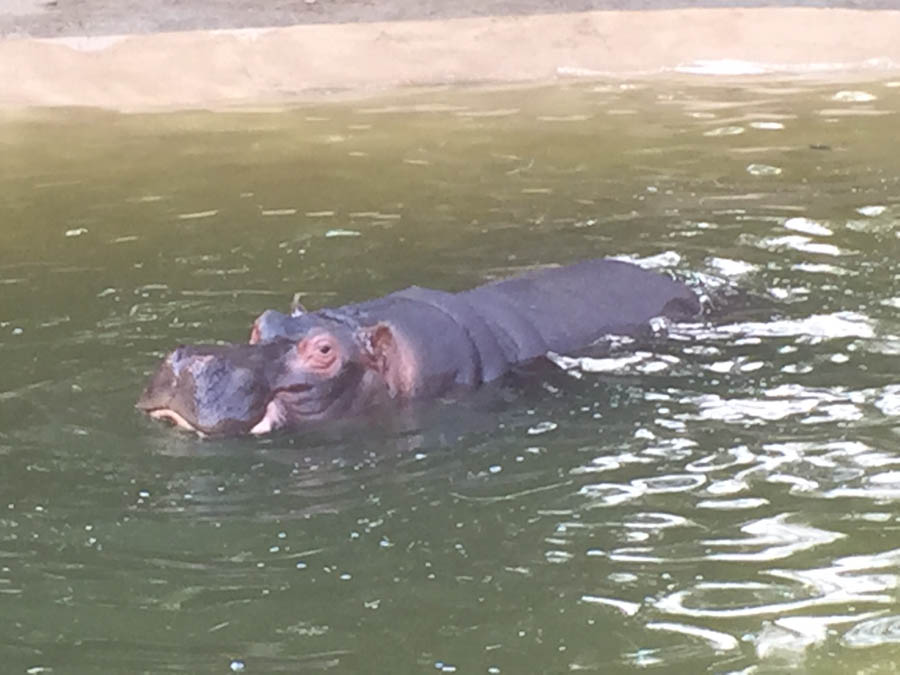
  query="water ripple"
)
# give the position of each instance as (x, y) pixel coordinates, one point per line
(836, 325)
(673, 483)
(775, 537)
(609, 494)
(719, 641)
(874, 632)
(627, 608)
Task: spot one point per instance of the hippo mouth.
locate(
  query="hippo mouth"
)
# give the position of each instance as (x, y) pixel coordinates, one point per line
(270, 416)
(175, 419)
(226, 428)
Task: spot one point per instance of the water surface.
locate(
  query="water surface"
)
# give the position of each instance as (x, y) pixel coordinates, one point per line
(725, 500)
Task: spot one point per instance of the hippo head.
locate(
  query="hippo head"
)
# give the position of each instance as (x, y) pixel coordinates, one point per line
(295, 370)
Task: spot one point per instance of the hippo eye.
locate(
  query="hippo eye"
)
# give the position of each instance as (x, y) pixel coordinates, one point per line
(319, 352)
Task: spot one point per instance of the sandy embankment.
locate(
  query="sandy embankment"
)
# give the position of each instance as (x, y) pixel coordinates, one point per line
(270, 65)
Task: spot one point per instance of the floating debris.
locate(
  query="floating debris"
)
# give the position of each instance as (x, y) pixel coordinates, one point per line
(767, 126)
(198, 214)
(563, 118)
(848, 96)
(871, 211)
(375, 214)
(542, 428)
(724, 131)
(499, 112)
(278, 212)
(763, 170)
(807, 226)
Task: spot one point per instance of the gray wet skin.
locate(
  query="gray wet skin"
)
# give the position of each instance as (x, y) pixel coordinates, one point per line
(414, 343)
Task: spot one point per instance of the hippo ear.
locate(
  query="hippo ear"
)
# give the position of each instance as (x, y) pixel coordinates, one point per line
(297, 308)
(378, 346)
(255, 335)
(385, 352)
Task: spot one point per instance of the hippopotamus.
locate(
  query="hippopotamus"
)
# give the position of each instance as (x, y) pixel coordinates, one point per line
(309, 366)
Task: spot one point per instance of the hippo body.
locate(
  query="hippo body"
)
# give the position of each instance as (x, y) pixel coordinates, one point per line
(413, 343)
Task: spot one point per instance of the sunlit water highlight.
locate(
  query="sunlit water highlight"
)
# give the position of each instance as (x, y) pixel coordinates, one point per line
(720, 498)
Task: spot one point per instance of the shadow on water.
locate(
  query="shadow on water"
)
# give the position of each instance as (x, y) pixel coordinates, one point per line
(718, 497)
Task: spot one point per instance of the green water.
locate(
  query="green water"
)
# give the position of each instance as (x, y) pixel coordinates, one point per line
(725, 501)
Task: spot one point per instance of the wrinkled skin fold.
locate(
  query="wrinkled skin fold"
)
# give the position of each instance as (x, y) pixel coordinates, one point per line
(415, 343)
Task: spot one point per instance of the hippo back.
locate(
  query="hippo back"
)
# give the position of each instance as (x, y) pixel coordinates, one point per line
(566, 308)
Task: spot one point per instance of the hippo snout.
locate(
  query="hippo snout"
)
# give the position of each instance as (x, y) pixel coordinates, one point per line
(210, 390)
